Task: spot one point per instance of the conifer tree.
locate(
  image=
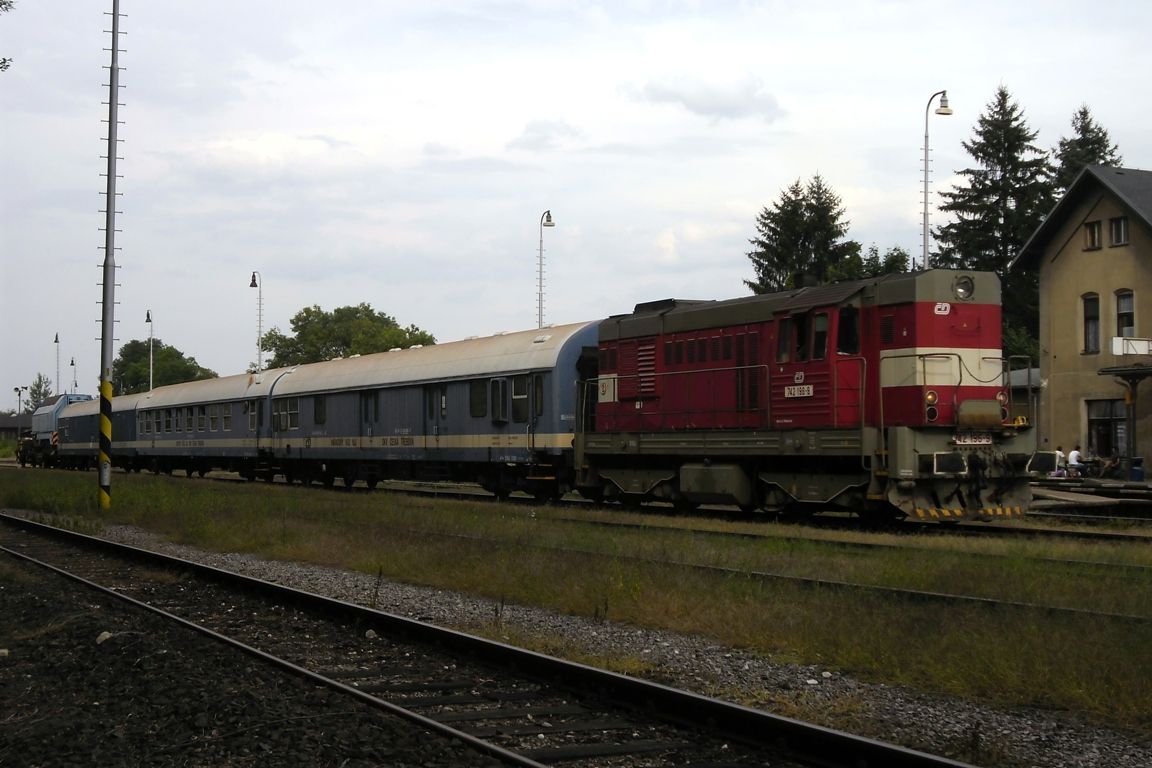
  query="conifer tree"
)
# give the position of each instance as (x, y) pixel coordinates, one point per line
(801, 237)
(1090, 145)
(1004, 199)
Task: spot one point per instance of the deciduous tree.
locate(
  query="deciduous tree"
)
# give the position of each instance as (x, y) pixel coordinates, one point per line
(319, 335)
(169, 366)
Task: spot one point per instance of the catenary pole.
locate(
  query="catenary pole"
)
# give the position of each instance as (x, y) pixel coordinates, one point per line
(108, 300)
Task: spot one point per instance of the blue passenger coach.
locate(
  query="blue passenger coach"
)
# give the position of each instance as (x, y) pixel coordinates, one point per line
(499, 411)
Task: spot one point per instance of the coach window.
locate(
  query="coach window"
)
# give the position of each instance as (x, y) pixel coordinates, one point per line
(226, 417)
(157, 422)
(820, 336)
(201, 418)
(319, 410)
(848, 331)
(691, 351)
(478, 398)
(213, 417)
(520, 399)
(499, 391)
(250, 408)
(167, 419)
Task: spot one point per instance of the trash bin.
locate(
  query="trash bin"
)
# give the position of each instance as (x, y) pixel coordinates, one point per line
(1136, 473)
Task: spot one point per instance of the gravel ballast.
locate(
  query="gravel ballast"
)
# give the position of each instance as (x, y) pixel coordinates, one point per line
(967, 731)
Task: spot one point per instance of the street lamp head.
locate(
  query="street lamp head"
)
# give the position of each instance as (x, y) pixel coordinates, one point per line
(944, 109)
(148, 316)
(253, 284)
(547, 221)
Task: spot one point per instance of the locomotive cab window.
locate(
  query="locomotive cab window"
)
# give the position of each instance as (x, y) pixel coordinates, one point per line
(802, 326)
(848, 331)
(784, 340)
(820, 336)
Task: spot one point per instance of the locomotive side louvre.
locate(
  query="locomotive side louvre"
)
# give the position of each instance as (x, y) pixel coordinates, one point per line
(812, 396)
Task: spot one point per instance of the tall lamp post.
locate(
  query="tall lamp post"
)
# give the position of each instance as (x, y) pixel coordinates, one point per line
(18, 391)
(943, 109)
(148, 319)
(545, 221)
(258, 284)
(73, 375)
(59, 389)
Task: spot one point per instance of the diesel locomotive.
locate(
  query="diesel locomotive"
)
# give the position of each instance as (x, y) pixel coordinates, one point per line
(885, 396)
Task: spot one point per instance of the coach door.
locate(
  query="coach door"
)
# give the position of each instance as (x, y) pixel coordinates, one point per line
(435, 415)
(369, 417)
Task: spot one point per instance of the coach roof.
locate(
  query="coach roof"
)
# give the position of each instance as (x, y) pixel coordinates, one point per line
(471, 358)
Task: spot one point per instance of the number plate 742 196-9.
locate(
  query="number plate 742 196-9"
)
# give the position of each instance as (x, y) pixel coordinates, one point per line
(973, 438)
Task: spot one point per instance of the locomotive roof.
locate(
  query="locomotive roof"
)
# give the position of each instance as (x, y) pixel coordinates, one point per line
(672, 315)
(491, 355)
(678, 315)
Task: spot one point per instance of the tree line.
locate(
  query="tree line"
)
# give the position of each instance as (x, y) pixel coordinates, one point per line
(1005, 194)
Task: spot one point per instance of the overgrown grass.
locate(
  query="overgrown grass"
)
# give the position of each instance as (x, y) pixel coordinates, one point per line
(519, 555)
(7, 449)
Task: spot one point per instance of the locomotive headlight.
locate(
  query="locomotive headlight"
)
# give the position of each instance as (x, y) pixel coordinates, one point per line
(930, 397)
(963, 287)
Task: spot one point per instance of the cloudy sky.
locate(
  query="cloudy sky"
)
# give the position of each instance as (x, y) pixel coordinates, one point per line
(402, 153)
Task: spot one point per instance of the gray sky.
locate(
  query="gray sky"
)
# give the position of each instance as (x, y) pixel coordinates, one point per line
(402, 153)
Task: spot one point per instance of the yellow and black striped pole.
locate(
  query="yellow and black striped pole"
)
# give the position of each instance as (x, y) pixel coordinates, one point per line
(105, 464)
(107, 323)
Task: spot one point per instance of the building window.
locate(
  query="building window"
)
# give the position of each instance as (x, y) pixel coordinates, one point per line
(1107, 427)
(1125, 314)
(1118, 230)
(1091, 304)
(1091, 235)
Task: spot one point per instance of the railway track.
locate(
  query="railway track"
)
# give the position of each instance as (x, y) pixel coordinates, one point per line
(520, 707)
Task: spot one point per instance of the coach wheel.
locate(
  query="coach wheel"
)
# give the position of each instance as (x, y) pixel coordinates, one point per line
(190, 471)
(372, 483)
(349, 479)
(684, 506)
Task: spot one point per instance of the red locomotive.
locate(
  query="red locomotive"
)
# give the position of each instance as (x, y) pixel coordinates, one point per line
(882, 396)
